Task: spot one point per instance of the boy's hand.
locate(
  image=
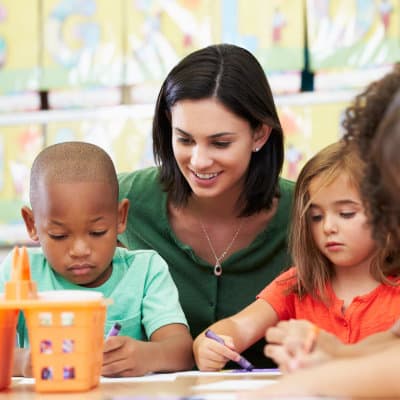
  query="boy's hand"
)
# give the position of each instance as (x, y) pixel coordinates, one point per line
(211, 355)
(124, 356)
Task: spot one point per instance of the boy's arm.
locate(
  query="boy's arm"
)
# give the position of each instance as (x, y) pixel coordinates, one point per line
(170, 344)
(169, 349)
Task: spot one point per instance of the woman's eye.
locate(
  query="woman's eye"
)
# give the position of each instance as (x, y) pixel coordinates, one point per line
(183, 140)
(222, 144)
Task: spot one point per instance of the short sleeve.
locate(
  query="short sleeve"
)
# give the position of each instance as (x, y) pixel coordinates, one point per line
(161, 301)
(279, 295)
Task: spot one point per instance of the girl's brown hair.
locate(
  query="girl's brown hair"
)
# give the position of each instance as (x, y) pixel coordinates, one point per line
(315, 270)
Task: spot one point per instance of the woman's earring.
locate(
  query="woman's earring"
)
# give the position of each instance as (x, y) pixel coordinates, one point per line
(256, 149)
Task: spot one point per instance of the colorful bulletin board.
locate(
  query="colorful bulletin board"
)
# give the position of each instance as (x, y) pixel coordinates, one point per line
(127, 141)
(272, 30)
(82, 43)
(19, 48)
(160, 33)
(19, 145)
(307, 130)
(353, 33)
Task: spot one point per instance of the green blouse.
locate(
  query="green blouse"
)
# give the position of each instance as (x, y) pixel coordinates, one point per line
(206, 298)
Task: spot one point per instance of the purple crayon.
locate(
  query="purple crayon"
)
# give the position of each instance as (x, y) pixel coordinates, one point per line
(114, 331)
(245, 364)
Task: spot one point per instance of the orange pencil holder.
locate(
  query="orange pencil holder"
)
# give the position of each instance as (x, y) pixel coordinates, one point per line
(65, 328)
(66, 339)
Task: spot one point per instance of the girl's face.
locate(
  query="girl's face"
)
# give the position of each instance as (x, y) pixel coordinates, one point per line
(212, 146)
(339, 224)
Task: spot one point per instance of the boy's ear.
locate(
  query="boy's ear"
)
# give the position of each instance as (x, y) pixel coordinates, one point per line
(29, 220)
(123, 208)
(261, 137)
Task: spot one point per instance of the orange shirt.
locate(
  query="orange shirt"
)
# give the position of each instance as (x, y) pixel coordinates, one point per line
(367, 314)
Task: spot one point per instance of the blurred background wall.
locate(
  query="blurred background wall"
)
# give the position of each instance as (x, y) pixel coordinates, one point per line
(91, 69)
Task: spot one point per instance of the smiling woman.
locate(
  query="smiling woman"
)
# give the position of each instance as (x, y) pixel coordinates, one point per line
(215, 208)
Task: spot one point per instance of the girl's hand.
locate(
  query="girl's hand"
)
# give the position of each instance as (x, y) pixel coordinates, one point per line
(211, 355)
(124, 356)
(296, 344)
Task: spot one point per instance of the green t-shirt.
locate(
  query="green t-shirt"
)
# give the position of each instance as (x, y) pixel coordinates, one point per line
(144, 297)
(204, 297)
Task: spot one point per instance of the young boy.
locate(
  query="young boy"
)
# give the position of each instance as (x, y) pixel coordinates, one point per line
(76, 218)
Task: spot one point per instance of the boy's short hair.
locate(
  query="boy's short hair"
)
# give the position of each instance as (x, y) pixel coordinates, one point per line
(70, 162)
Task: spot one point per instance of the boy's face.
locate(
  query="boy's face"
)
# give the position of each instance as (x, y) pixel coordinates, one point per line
(77, 226)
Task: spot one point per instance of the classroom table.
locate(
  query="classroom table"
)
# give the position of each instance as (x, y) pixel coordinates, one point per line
(181, 386)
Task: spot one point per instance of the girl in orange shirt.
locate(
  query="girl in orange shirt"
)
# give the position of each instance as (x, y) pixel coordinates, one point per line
(343, 281)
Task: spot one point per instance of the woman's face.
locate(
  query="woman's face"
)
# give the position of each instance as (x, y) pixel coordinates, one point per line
(212, 146)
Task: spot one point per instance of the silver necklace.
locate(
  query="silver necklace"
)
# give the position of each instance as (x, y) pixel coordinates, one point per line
(218, 260)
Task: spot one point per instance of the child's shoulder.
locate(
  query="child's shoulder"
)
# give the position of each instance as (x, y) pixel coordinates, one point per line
(289, 274)
(142, 268)
(144, 259)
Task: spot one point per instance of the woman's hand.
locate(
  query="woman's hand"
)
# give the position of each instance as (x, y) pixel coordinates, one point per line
(297, 344)
(211, 355)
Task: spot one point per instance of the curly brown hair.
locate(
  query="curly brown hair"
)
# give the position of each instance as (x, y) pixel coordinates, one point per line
(382, 181)
(362, 124)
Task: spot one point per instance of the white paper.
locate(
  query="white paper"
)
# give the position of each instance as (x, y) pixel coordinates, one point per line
(230, 372)
(230, 385)
(146, 378)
